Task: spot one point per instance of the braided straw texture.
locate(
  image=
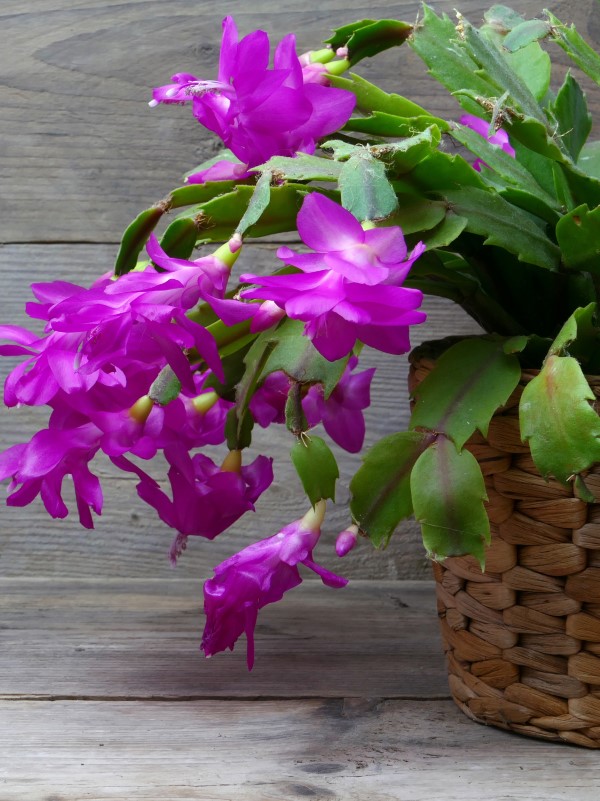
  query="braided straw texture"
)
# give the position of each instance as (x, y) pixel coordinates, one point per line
(522, 640)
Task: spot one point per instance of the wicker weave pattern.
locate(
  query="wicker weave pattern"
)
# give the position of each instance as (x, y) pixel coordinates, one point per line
(523, 640)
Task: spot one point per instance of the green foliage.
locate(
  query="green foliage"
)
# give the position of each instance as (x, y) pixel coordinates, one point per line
(571, 113)
(295, 355)
(504, 225)
(180, 238)
(575, 46)
(448, 492)
(381, 488)
(525, 33)
(303, 167)
(135, 237)
(316, 466)
(368, 37)
(259, 202)
(558, 422)
(470, 381)
(365, 189)
(578, 236)
(503, 165)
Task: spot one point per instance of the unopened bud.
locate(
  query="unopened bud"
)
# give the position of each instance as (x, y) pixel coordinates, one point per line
(204, 403)
(316, 56)
(313, 519)
(338, 67)
(342, 52)
(268, 315)
(140, 411)
(315, 73)
(235, 243)
(346, 540)
(232, 463)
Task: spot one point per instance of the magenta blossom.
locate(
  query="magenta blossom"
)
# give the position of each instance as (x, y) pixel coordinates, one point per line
(341, 413)
(102, 334)
(482, 127)
(257, 576)
(207, 499)
(258, 111)
(40, 466)
(349, 288)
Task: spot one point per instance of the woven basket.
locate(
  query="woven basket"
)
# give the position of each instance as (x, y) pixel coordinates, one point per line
(522, 640)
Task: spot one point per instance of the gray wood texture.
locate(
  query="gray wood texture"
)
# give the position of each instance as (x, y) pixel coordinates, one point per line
(103, 696)
(82, 154)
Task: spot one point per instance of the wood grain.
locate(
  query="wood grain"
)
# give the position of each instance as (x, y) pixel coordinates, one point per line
(103, 696)
(82, 153)
(129, 538)
(335, 750)
(123, 639)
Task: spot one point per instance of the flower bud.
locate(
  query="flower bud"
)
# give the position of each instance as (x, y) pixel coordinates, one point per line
(338, 67)
(232, 463)
(313, 519)
(229, 252)
(268, 315)
(140, 411)
(346, 540)
(204, 403)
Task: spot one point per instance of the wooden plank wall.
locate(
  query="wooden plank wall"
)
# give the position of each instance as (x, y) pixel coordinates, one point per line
(81, 154)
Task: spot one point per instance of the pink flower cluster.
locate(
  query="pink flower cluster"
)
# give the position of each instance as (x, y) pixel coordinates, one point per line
(126, 369)
(102, 351)
(350, 287)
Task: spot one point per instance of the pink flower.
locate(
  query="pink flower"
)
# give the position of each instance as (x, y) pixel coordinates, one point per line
(257, 576)
(40, 466)
(482, 127)
(341, 414)
(206, 499)
(350, 286)
(102, 334)
(258, 111)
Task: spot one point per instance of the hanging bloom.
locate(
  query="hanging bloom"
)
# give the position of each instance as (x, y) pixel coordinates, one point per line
(40, 466)
(341, 413)
(257, 576)
(206, 499)
(268, 402)
(349, 288)
(482, 127)
(257, 111)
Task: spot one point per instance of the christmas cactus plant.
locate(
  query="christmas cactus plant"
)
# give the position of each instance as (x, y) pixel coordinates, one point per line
(175, 350)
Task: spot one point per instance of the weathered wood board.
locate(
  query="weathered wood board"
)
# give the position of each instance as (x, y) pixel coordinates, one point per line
(103, 696)
(336, 750)
(115, 639)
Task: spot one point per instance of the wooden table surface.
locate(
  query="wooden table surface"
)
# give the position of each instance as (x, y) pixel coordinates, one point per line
(104, 695)
(103, 691)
